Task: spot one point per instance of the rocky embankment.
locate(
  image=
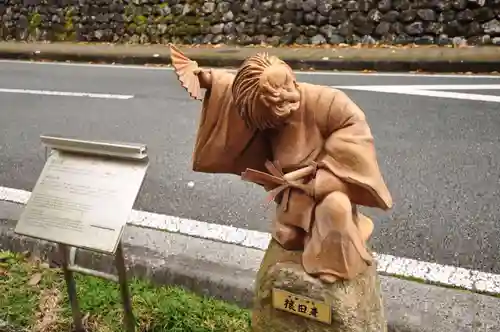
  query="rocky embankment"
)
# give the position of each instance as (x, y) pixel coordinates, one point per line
(243, 22)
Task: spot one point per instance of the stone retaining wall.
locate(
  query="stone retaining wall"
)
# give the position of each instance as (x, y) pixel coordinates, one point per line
(252, 21)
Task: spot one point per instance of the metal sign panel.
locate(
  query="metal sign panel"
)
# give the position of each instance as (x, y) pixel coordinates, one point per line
(83, 200)
(302, 306)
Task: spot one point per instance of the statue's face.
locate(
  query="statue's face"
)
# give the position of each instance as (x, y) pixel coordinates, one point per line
(279, 91)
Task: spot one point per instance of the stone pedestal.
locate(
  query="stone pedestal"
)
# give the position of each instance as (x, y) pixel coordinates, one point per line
(356, 304)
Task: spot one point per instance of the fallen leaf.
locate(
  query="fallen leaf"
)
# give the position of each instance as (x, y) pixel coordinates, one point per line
(44, 266)
(48, 311)
(35, 279)
(85, 318)
(4, 256)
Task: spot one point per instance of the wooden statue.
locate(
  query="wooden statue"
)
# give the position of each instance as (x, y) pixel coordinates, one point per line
(309, 145)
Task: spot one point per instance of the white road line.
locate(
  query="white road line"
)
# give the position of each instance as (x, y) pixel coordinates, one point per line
(451, 95)
(425, 87)
(387, 264)
(67, 94)
(432, 90)
(312, 73)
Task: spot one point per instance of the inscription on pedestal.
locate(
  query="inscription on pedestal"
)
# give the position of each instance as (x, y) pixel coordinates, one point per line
(302, 306)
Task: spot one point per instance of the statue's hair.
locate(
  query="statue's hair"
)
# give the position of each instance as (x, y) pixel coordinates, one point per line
(246, 90)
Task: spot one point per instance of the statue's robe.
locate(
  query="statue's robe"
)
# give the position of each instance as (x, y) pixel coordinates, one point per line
(328, 128)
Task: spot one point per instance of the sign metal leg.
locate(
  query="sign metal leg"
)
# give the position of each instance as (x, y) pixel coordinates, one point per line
(122, 279)
(71, 288)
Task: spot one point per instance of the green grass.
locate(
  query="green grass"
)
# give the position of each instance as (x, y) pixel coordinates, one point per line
(32, 295)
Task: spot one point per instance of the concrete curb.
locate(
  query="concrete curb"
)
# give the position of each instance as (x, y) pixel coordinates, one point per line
(227, 272)
(435, 65)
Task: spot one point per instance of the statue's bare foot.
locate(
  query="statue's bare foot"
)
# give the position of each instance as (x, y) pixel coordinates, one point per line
(365, 226)
(328, 278)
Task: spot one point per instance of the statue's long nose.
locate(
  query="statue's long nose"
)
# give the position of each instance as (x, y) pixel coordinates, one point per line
(292, 97)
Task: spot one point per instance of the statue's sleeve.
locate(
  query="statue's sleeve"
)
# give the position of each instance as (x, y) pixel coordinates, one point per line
(224, 144)
(349, 151)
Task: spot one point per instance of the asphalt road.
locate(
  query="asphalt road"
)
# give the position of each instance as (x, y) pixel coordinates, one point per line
(440, 156)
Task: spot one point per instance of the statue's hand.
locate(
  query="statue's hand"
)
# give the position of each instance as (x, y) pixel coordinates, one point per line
(205, 77)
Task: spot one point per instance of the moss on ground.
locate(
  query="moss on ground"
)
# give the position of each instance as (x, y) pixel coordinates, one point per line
(35, 20)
